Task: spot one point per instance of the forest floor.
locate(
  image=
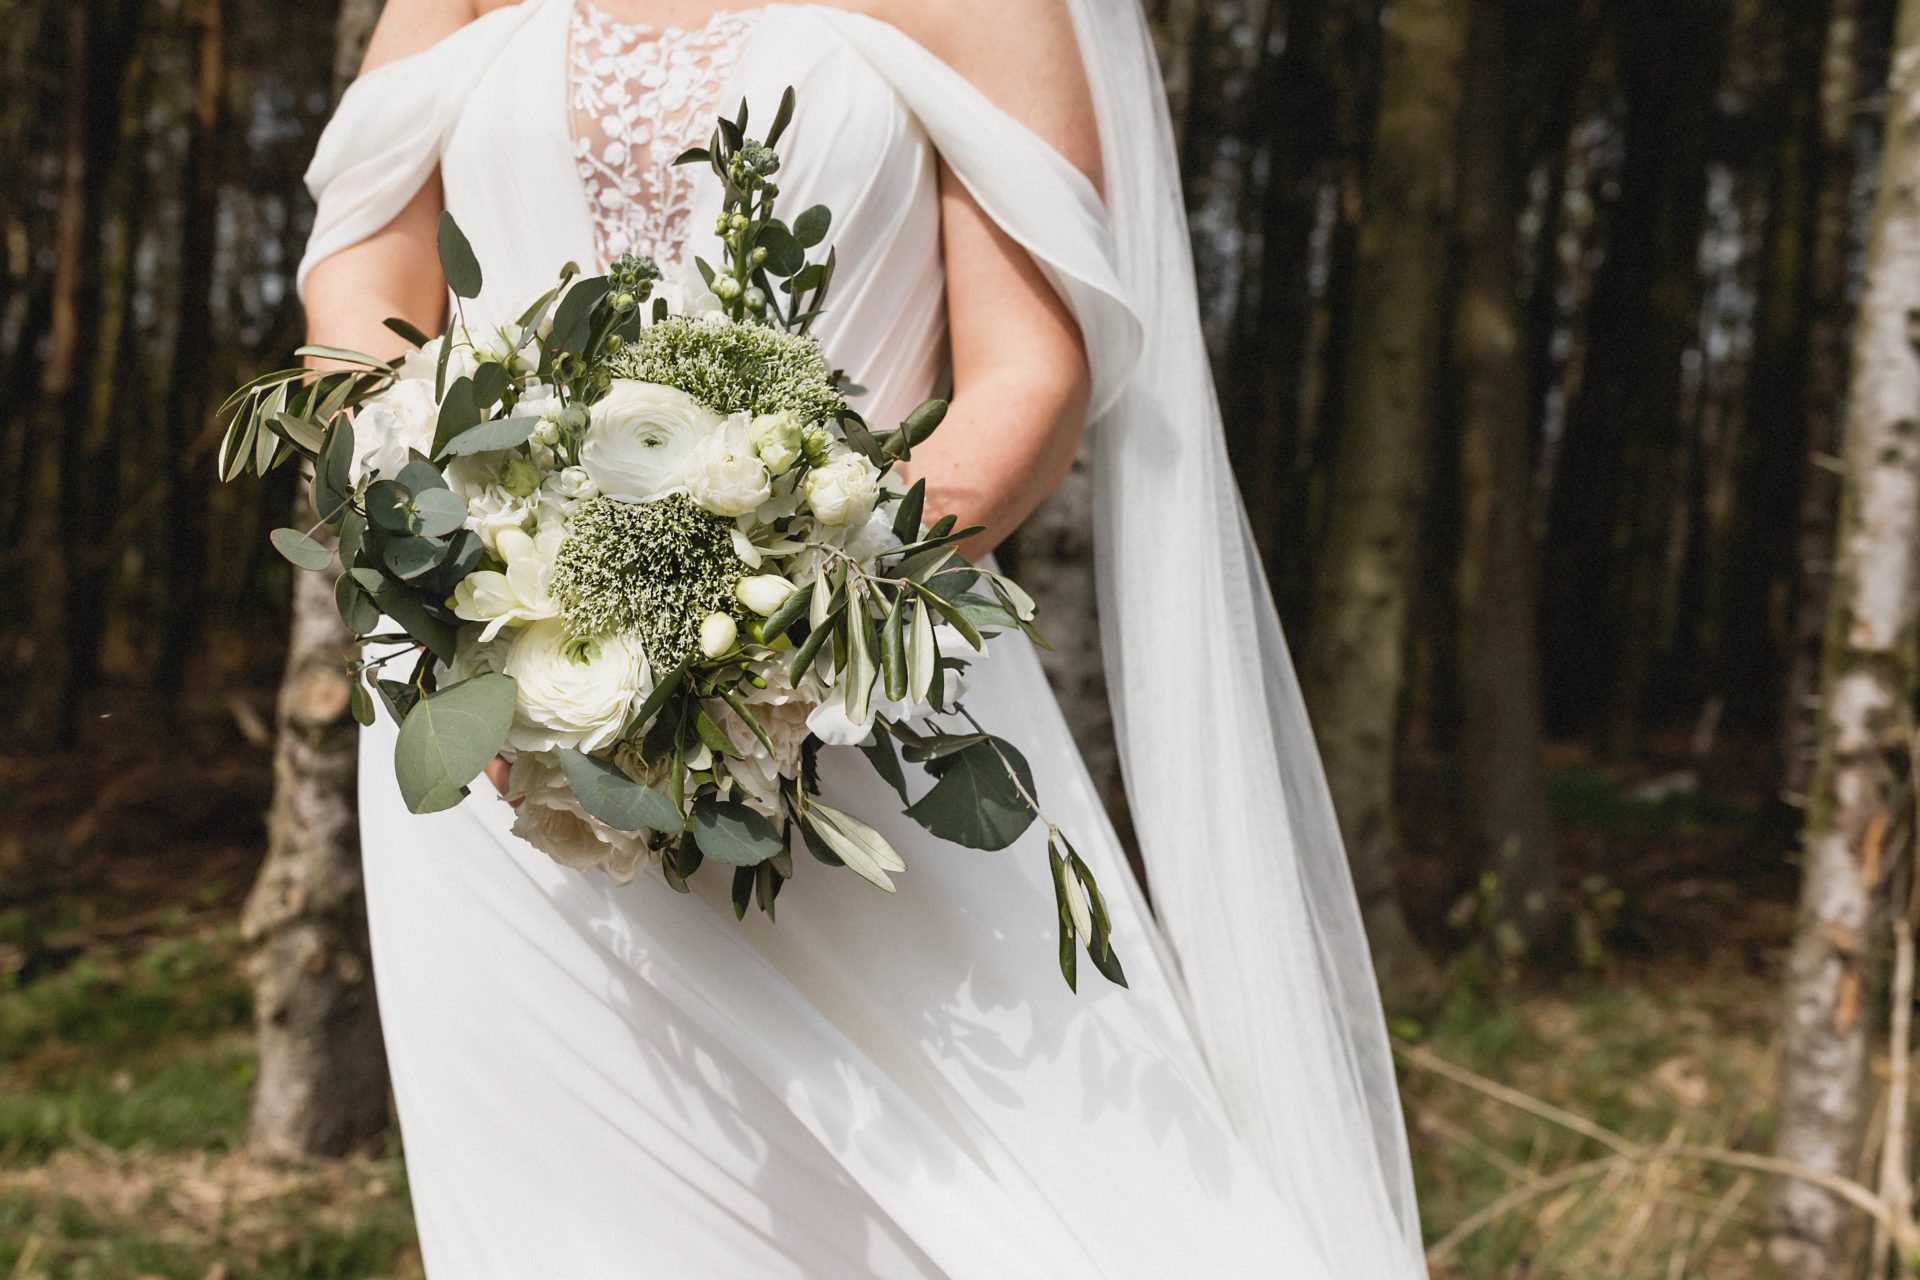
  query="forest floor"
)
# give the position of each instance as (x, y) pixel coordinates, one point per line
(125, 1057)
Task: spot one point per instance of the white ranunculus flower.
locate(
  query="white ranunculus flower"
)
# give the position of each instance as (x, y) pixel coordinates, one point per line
(843, 492)
(573, 692)
(550, 818)
(518, 595)
(642, 440)
(728, 477)
(401, 418)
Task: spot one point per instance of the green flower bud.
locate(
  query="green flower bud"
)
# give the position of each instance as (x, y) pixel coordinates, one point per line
(519, 477)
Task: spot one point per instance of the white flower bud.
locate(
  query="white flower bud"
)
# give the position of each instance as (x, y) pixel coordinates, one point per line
(726, 288)
(718, 634)
(764, 593)
(777, 439)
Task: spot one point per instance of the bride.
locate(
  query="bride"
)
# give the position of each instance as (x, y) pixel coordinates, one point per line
(599, 1080)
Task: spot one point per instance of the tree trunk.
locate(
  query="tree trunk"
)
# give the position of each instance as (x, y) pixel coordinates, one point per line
(183, 539)
(1824, 389)
(322, 1088)
(1356, 652)
(1860, 794)
(1500, 659)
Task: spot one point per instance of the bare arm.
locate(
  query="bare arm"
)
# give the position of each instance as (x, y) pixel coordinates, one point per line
(395, 271)
(1019, 363)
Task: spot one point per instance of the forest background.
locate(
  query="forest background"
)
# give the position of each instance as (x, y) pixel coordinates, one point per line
(1567, 352)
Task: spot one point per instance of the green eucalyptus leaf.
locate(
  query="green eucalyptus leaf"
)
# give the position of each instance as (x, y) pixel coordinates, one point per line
(490, 382)
(607, 793)
(462, 269)
(730, 832)
(459, 413)
(438, 512)
(407, 609)
(356, 607)
(301, 550)
(387, 506)
(810, 228)
(785, 257)
(410, 557)
(449, 738)
(974, 803)
(501, 433)
(418, 477)
(880, 752)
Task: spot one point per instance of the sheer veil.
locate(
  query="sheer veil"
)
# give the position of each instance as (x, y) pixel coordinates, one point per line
(1243, 852)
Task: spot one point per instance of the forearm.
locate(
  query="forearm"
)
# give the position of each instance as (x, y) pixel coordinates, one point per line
(1008, 441)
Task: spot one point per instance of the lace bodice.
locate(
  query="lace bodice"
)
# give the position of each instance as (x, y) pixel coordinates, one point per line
(638, 96)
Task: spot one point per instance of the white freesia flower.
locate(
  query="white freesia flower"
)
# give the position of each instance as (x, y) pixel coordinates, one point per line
(551, 819)
(727, 477)
(643, 439)
(573, 692)
(519, 594)
(844, 490)
(776, 438)
(399, 419)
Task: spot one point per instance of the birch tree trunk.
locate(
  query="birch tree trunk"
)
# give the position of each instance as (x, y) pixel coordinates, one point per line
(1505, 767)
(1356, 653)
(1866, 720)
(322, 1089)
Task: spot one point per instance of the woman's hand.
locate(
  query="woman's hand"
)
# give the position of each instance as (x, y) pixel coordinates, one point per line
(497, 774)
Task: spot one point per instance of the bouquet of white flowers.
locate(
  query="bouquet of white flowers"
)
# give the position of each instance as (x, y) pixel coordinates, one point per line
(639, 544)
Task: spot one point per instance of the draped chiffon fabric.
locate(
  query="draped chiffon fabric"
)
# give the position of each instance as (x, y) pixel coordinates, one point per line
(621, 1081)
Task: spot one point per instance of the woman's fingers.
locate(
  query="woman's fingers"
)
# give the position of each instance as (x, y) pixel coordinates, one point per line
(497, 775)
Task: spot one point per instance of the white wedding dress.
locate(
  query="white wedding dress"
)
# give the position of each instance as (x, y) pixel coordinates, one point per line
(599, 1081)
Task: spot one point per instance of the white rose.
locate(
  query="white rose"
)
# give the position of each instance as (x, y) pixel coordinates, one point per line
(776, 438)
(550, 818)
(573, 692)
(728, 478)
(844, 490)
(642, 440)
(401, 418)
(517, 595)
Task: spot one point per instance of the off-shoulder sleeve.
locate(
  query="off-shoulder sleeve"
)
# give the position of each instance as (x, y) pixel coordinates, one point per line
(1029, 189)
(385, 138)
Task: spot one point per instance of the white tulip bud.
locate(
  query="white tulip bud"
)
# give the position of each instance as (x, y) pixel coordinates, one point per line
(764, 593)
(718, 635)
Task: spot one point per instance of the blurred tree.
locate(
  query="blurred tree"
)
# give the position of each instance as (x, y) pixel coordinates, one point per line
(1354, 666)
(1503, 757)
(1827, 308)
(322, 1087)
(1861, 802)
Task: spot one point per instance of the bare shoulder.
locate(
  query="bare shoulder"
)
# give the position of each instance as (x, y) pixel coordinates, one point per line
(408, 26)
(1021, 53)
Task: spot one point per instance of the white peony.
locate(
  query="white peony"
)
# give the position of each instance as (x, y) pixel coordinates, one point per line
(843, 492)
(728, 477)
(550, 818)
(573, 692)
(386, 428)
(642, 440)
(519, 594)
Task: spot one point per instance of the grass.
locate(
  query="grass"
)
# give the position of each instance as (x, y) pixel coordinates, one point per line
(126, 1058)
